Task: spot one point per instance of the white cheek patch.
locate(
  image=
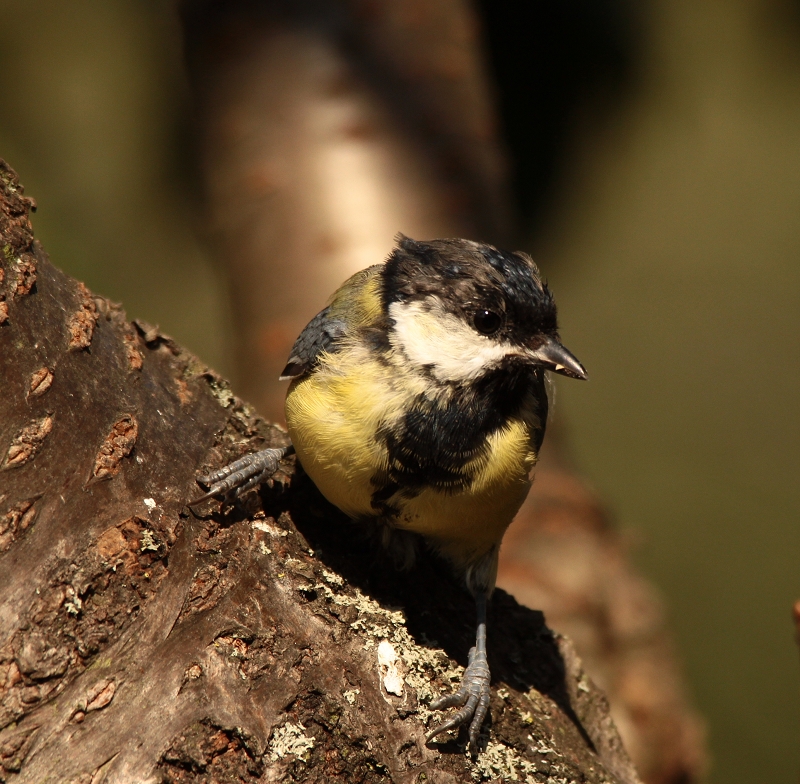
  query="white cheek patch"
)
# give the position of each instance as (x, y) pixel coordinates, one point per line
(429, 336)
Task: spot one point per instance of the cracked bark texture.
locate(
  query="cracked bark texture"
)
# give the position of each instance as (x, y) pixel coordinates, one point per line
(139, 642)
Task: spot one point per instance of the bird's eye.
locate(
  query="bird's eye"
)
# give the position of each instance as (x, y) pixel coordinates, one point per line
(487, 322)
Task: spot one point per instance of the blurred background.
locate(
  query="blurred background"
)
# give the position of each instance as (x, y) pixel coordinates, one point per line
(647, 155)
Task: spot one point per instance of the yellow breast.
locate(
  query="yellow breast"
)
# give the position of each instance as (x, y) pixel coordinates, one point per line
(333, 415)
(467, 524)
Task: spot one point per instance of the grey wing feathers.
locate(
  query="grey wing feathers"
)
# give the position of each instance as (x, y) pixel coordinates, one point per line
(321, 334)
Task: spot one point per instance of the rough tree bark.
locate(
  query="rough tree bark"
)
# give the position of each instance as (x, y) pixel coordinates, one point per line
(268, 642)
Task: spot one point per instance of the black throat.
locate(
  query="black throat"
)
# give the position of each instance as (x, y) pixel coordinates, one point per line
(437, 439)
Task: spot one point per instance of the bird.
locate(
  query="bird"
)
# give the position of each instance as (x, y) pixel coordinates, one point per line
(418, 403)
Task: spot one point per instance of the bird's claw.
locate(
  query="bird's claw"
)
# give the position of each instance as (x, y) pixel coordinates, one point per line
(239, 476)
(472, 697)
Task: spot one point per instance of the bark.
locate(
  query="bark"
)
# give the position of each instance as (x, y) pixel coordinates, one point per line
(139, 642)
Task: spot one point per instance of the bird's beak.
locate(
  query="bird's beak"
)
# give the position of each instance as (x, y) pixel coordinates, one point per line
(555, 357)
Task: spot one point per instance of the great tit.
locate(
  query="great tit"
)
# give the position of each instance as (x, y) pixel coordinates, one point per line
(418, 402)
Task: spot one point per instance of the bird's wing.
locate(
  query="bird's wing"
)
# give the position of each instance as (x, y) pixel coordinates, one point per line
(321, 334)
(355, 305)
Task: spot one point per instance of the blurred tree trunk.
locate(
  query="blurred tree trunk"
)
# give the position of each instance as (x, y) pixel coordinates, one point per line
(324, 129)
(266, 643)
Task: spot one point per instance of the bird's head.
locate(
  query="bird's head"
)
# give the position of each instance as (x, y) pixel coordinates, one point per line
(461, 309)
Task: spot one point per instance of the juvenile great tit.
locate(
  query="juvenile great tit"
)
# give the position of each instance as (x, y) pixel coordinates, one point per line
(417, 401)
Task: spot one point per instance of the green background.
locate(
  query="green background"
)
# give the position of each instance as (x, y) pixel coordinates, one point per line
(672, 243)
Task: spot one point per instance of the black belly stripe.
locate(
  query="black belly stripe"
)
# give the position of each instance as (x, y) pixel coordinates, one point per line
(435, 442)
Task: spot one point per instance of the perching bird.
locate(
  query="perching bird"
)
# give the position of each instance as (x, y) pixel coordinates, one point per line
(418, 402)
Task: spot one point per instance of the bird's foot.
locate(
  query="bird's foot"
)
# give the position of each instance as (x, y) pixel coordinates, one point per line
(239, 476)
(472, 697)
